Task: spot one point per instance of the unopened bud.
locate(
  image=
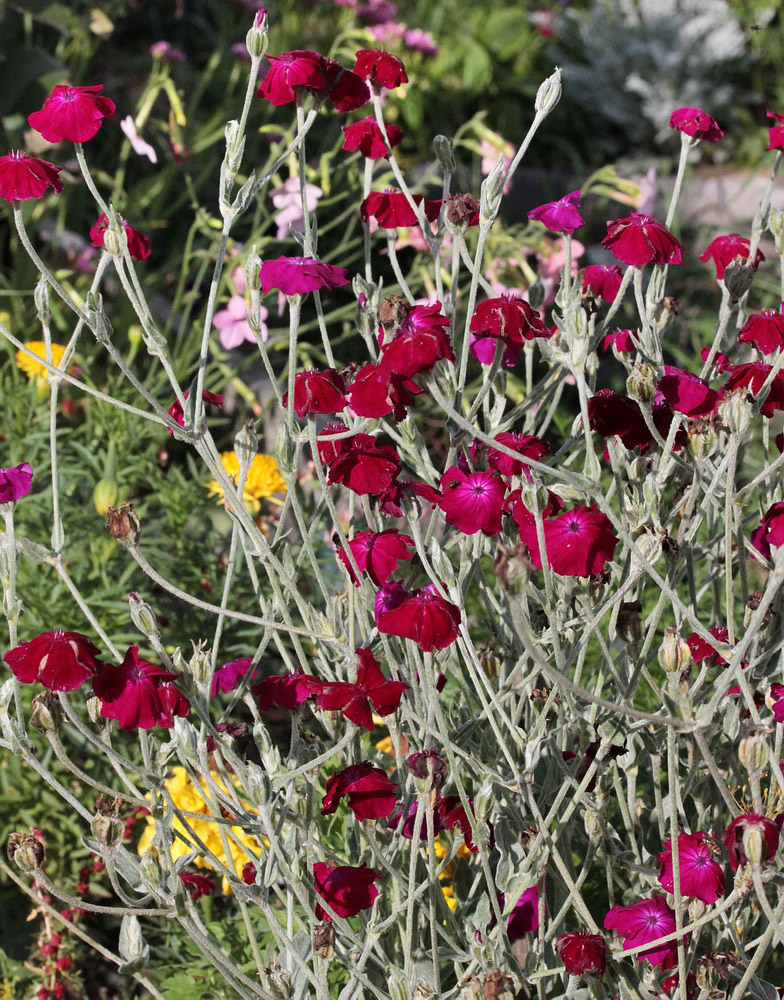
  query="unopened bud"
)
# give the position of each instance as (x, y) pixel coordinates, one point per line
(246, 445)
(26, 852)
(132, 947)
(114, 241)
(737, 279)
(46, 715)
(235, 146)
(753, 752)
(482, 802)
(41, 299)
(442, 147)
(594, 826)
(536, 294)
(252, 271)
(123, 523)
(142, 616)
(735, 410)
(641, 383)
(534, 496)
(108, 830)
(398, 986)
(752, 606)
(257, 38)
(492, 188)
(490, 662)
(674, 652)
(94, 706)
(754, 846)
(105, 495)
(200, 666)
(150, 870)
(702, 438)
(549, 93)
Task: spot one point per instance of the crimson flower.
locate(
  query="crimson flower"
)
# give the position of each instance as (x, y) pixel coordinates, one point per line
(776, 132)
(637, 240)
(329, 450)
(687, 393)
(648, 920)
(289, 70)
(525, 916)
(391, 595)
(364, 467)
(199, 885)
(227, 677)
(702, 650)
(612, 415)
(522, 515)
(751, 839)
(345, 90)
(777, 701)
(15, 482)
(701, 874)
(354, 698)
(720, 361)
(472, 502)
(409, 823)
(425, 617)
(726, 250)
(428, 765)
(72, 113)
(371, 793)
(317, 392)
(581, 952)
(288, 691)
(696, 123)
(454, 814)
(345, 888)
(391, 502)
(579, 541)
(752, 376)
(366, 137)
(380, 68)
(417, 343)
(375, 393)
(527, 445)
(377, 553)
(296, 275)
(508, 319)
(131, 693)
(23, 177)
(602, 280)
(621, 340)
(61, 661)
(561, 216)
(765, 330)
(138, 245)
(391, 209)
(177, 414)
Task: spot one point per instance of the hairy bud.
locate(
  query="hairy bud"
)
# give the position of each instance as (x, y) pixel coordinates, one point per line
(549, 93)
(753, 752)
(46, 715)
(735, 410)
(641, 383)
(442, 147)
(142, 616)
(257, 38)
(674, 652)
(26, 852)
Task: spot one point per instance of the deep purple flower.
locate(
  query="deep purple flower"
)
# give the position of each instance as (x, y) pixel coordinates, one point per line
(15, 482)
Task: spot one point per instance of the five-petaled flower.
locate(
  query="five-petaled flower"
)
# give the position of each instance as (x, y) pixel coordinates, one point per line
(368, 138)
(751, 839)
(776, 132)
(637, 240)
(561, 216)
(377, 553)
(345, 888)
(297, 275)
(289, 691)
(726, 250)
(696, 123)
(424, 617)
(354, 698)
(700, 874)
(380, 68)
(136, 693)
(472, 501)
(391, 209)
(72, 113)
(15, 482)
(507, 320)
(644, 922)
(765, 330)
(578, 541)
(370, 792)
(59, 660)
(364, 467)
(317, 392)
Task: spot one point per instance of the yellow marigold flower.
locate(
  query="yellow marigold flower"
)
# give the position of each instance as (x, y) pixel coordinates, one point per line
(449, 896)
(262, 482)
(33, 369)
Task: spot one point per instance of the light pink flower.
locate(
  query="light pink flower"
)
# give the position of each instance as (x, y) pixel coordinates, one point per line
(288, 202)
(233, 323)
(138, 145)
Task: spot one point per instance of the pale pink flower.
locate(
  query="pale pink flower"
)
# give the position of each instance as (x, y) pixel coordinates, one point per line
(233, 323)
(389, 31)
(138, 145)
(288, 202)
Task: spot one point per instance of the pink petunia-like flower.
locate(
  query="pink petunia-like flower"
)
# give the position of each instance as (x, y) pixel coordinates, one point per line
(138, 245)
(318, 392)
(289, 691)
(646, 921)
(198, 885)
(561, 216)
(72, 113)
(472, 502)
(391, 209)
(232, 322)
(525, 916)
(687, 393)
(776, 132)
(366, 137)
(621, 341)
(297, 275)
(23, 177)
(637, 240)
(602, 280)
(177, 414)
(354, 698)
(701, 875)
(752, 376)
(765, 330)
(370, 792)
(425, 617)
(345, 888)
(61, 661)
(579, 542)
(526, 445)
(364, 467)
(375, 393)
(507, 319)
(751, 839)
(380, 68)
(581, 952)
(696, 123)
(290, 71)
(417, 343)
(377, 553)
(15, 482)
(230, 675)
(726, 250)
(130, 693)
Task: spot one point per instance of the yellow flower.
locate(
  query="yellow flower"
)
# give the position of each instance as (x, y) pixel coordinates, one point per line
(449, 896)
(263, 480)
(33, 369)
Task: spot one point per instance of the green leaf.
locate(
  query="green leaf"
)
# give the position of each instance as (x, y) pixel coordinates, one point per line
(477, 68)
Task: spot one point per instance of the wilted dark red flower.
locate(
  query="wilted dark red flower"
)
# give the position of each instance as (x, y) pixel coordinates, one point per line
(621, 340)
(23, 177)
(138, 245)
(462, 210)
(765, 330)
(59, 660)
(72, 113)
(427, 765)
(527, 445)
(507, 319)
(687, 393)
(637, 239)
(726, 250)
(346, 90)
(176, 411)
(425, 617)
(15, 482)
(227, 677)
(364, 467)
(525, 916)
(417, 343)
(375, 393)
(289, 70)
(561, 216)
(579, 541)
(380, 68)
(377, 553)
(366, 137)
(454, 814)
(296, 275)
(751, 839)
(288, 691)
(696, 123)
(701, 875)
(391, 502)
(646, 921)
(581, 952)
(752, 376)
(776, 132)
(131, 693)
(701, 649)
(344, 888)
(391, 209)
(354, 698)
(198, 885)
(472, 501)
(602, 280)
(371, 793)
(317, 392)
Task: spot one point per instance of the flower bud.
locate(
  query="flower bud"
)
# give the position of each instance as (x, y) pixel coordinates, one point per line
(534, 496)
(735, 410)
(398, 986)
(549, 93)
(737, 280)
(123, 523)
(483, 801)
(150, 870)
(114, 241)
(536, 294)
(641, 383)
(257, 38)
(46, 715)
(6, 695)
(594, 825)
(105, 495)
(754, 845)
(442, 147)
(491, 190)
(41, 299)
(702, 438)
(235, 146)
(200, 666)
(108, 830)
(428, 769)
(142, 616)
(26, 852)
(246, 445)
(753, 752)
(132, 947)
(674, 652)
(252, 271)
(94, 706)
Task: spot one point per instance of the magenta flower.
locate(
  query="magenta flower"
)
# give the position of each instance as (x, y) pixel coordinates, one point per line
(317, 392)
(581, 952)
(138, 245)
(391, 595)
(648, 920)
(602, 280)
(751, 839)
(290, 71)
(426, 618)
(176, 411)
(346, 889)
(377, 553)
(61, 661)
(380, 69)
(420, 41)
(72, 113)
(409, 823)
(233, 323)
(561, 216)
(371, 793)
(776, 132)
(522, 515)
(391, 502)
(354, 698)
(364, 467)
(418, 342)
(375, 393)
(525, 916)
(777, 701)
(23, 177)
(15, 482)
(392, 210)
(696, 123)
(752, 376)
(472, 502)
(289, 691)
(621, 340)
(637, 240)
(687, 393)
(765, 330)
(579, 542)
(507, 319)
(702, 650)
(346, 90)
(131, 693)
(296, 275)
(366, 137)
(701, 875)
(726, 250)
(526, 445)
(227, 677)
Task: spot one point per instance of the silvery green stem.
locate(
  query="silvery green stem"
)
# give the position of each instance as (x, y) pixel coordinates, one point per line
(88, 178)
(673, 786)
(391, 236)
(686, 144)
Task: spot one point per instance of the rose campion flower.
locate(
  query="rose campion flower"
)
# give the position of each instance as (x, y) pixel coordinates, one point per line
(765, 330)
(409, 823)
(637, 240)
(289, 691)
(392, 501)
(525, 916)
(581, 952)
(522, 515)
(232, 322)
(687, 393)
(130, 693)
(23, 177)
(751, 839)
(354, 698)
(420, 41)
(752, 376)
(425, 617)
(377, 553)
(138, 245)
(317, 392)
(417, 343)
(346, 889)
(60, 660)
(621, 341)
(776, 701)
(345, 90)
(696, 123)
(602, 280)
(507, 319)
(579, 542)
(374, 393)
(15, 482)
(611, 414)
(776, 132)
(391, 209)
(229, 676)
(74, 114)
(702, 650)
(287, 199)
(561, 216)
(646, 921)
(380, 68)
(701, 875)
(771, 530)
(176, 411)
(454, 814)
(370, 792)
(526, 445)
(726, 250)
(391, 595)
(472, 502)
(291, 70)
(366, 137)
(198, 885)
(364, 467)
(296, 275)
